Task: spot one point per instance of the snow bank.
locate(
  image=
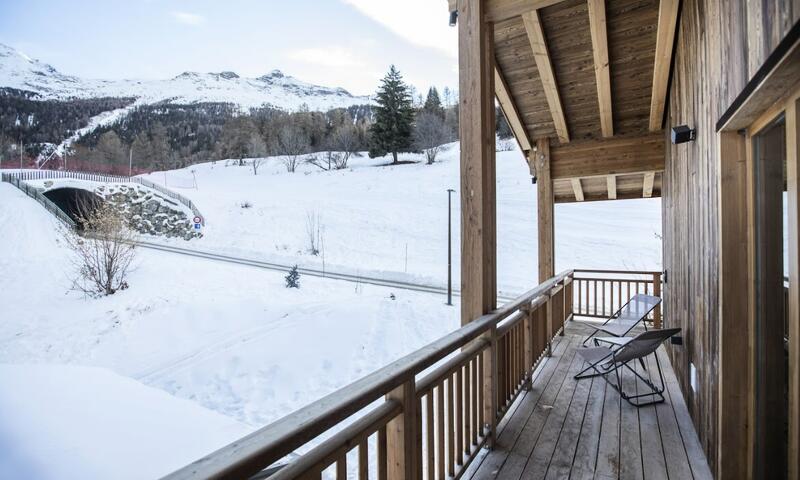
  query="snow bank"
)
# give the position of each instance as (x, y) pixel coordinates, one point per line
(65, 422)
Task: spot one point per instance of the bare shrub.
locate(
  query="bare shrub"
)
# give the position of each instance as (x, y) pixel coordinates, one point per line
(430, 135)
(293, 143)
(103, 254)
(505, 145)
(314, 231)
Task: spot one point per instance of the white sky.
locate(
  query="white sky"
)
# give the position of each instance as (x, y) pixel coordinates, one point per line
(341, 43)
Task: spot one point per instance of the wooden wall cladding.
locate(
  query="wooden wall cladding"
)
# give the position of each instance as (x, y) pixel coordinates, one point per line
(719, 45)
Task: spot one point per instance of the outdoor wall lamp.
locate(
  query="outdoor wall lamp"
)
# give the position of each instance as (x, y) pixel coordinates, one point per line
(682, 134)
(453, 18)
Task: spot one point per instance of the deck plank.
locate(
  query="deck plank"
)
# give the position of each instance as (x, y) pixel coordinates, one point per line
(544, 449)
(653, 461)
(674, 452)
(509, 430)
(697, 458)
(630, 443)
(585, 461)
(608, 445)
(564, 456)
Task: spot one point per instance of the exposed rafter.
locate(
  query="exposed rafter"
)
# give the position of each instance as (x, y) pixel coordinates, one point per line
(665, 38)
(612, 156)
(510, 111)
(576, 187)
(499, 10)
(649, 179)
(533, 26)
(597, 24)
(611, 185)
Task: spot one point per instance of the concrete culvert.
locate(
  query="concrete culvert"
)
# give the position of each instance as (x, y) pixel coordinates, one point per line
(74, 202)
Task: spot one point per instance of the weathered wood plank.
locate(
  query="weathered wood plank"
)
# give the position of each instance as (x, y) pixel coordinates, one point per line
(589, 436)
(544, 205)
(511, 112)
(597, 22)
(630, 443)
(533, 26)
(570, 434)
(545, 445)
(544, 388)
(667, 20)
(647, 189)
(576, 187)
(615, 156)
(697, 459)
(653, 461)
(611, 186)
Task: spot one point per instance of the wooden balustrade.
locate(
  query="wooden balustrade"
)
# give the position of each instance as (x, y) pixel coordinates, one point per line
(425, 416)
(601, 293)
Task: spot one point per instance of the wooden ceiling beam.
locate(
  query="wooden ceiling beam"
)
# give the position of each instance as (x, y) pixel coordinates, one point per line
(576, 187)
(510, 111)
(533, 26)
(597, 25)
(611, 185)
(647, 189)
(665, 38)
(499, 10)
(612, 156)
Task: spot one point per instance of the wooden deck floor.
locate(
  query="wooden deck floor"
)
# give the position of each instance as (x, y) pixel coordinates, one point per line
(567, 428)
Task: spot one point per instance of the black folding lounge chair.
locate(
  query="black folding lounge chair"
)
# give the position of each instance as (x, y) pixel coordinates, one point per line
(605, 360)
(626, 318)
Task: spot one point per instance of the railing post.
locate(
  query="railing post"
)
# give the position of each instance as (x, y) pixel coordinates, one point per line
(657, 293)
(490, 390)
(549, 320)
(401, 437)
(528, 341)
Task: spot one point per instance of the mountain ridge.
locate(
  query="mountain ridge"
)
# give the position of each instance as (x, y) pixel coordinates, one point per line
(276, 89)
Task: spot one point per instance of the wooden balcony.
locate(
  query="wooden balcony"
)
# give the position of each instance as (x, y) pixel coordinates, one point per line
(567, 428)
(495, 398)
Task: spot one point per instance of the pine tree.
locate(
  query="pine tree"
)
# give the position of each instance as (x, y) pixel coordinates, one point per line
(433, 103)
(392, 129)
(293, 278)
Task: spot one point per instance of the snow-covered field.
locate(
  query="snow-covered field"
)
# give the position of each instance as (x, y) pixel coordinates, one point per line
(232, 341)
(231, 338)
(392, 220)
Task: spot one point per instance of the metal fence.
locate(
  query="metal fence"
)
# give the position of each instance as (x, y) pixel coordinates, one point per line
(24, 175)
(37, 195)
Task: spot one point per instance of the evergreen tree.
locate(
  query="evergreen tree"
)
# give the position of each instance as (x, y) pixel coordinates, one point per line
(392, 130)
(433, 104)
(293, 279)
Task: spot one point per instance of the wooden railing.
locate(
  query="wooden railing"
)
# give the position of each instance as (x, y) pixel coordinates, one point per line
(600, 293)
(425, 416)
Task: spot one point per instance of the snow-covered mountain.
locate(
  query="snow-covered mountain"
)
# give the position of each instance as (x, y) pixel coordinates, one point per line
(21, 72)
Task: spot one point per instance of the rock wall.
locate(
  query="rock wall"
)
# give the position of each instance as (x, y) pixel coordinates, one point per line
(148, 211)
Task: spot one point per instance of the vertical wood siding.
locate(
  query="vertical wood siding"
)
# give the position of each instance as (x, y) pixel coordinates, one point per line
(720, 43)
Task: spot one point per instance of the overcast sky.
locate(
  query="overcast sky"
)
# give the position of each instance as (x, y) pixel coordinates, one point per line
(342, 43)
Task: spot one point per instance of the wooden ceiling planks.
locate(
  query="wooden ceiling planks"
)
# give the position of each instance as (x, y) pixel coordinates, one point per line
(541, 55)
(596, 188)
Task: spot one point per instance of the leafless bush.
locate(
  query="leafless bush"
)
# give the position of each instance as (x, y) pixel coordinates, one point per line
(505, 145)
(103, 255)
(293, 142)
(314, 231)
(430, 135)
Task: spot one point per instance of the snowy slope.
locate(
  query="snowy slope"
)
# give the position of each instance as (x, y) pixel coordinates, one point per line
(392, 220)
(275, 88)
(63, 422)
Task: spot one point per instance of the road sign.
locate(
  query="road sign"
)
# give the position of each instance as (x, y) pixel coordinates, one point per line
(197, 219)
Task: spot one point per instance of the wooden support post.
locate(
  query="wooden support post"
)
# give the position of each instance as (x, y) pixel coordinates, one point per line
(793, 303)
(544, 194)
(478, 206)
(733, 450)
(401, 451)
(656, 293)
